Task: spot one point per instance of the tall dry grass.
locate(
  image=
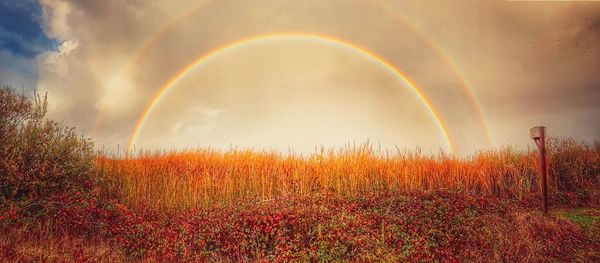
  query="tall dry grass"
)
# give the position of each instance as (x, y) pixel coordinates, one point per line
(204, 177)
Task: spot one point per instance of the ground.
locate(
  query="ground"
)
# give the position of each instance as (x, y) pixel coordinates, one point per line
(435, 226)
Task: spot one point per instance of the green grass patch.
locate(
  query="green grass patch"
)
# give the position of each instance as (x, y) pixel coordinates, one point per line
(586, 218)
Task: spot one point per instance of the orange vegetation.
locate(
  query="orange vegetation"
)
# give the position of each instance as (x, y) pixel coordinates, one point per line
(203, 177)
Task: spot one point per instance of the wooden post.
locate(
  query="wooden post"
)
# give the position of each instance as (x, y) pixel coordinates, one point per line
(538, 134)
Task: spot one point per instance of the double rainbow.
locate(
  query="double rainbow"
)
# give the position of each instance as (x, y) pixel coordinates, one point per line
(385, 6)
(324, 39)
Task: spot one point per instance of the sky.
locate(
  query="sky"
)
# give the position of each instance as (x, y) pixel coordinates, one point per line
(292, 75)
(22, 39)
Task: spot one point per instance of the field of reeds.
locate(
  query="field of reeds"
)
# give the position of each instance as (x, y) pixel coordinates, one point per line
(205, 177)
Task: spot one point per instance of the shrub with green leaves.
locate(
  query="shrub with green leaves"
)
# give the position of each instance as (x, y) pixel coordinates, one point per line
(39, 158)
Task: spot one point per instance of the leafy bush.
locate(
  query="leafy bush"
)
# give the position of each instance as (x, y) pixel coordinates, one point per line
(39, 158)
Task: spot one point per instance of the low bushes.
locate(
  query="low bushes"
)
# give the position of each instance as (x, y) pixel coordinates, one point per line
(39, 158)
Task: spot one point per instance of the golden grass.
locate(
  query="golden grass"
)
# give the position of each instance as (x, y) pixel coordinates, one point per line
(204, 177)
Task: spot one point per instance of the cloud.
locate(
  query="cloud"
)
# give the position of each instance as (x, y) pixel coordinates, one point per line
(529, 63)
(61, 53)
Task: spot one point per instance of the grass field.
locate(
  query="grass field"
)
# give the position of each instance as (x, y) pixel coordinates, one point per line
(202, 178)
(61, 201)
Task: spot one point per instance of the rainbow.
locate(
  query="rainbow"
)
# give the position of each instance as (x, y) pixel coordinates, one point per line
(381, 4)
(387, 7)
(202, 59)
(149, 45)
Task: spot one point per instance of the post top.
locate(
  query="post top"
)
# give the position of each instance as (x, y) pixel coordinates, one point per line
(537, 132)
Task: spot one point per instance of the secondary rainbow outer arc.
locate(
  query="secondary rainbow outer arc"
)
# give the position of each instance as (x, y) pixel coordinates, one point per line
(151, 43)
(305, 36)
(383, 5)
(386, 6)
